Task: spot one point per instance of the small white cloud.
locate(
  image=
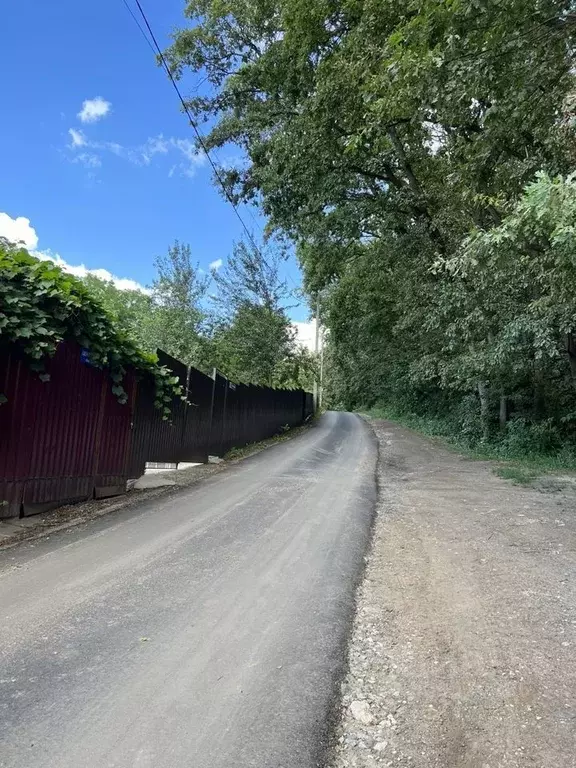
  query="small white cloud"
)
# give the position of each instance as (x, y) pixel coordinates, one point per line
(18, 230)
(193, 157)
(141, 154)
(94, 109)
(77, 137)
(214, 266)
(157, 145)
(80, 270)
(88, 160)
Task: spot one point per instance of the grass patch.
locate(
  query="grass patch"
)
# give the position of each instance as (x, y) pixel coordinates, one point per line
(518, 475)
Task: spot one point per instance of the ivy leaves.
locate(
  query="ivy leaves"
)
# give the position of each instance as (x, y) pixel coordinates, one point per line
(40, 306)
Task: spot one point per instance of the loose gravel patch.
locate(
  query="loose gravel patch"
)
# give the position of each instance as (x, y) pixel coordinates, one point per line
(463, 646)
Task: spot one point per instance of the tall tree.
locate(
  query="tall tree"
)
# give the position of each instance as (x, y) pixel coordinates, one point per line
(177, 293)
(251, 276)
(255, 336)
(171, 315)
(379, 135)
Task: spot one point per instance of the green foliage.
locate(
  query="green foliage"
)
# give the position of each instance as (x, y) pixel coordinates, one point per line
(251, 347)
(132, 311)
(253, 341)
(41, 306)
(243, 330)
(529, 454)
(177, 293)
(418, 156)
(170, 316)
(251, 277)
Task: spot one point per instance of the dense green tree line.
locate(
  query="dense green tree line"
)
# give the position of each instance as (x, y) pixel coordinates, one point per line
(418, 153)
(235, 320)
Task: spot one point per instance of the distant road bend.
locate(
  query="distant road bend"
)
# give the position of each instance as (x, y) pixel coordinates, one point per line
(205, 630)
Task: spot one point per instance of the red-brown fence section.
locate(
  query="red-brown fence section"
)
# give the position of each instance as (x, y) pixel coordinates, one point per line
(70, 439)
(61, 440)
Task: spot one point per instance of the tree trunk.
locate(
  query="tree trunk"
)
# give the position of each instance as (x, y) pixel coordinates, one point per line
(484, 409)
(503, 411)
(571, 350)
(538, 394)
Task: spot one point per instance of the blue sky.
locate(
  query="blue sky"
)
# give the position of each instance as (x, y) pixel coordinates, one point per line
(112, 182)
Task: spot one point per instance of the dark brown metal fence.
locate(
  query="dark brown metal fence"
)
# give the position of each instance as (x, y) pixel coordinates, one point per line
(62, 440)
(219, 415)
(70, 439)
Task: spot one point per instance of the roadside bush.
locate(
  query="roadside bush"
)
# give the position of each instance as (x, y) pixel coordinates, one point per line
(525, 439)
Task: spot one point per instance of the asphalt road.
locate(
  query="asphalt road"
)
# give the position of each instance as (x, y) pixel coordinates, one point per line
(206, 630)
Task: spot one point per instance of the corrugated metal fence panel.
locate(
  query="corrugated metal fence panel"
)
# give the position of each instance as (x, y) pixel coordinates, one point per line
(11, 485)
(50, 429)
(308, 405)
(58, 422)
(115, 434)
(144, 420)
(232, 436)
(196, 435)
(250, 414)
(65, 439)
(153, 438)
(218, 415)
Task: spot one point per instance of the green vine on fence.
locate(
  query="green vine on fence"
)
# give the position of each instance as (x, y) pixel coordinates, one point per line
(41, 306)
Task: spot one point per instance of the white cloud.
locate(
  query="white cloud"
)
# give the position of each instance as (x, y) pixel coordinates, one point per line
(80, 270)
(214, 266)
(93, 110)
(191, 155)
(142, 154)
(88, 160)
(77, 137)
(157, 145)
(18, 230)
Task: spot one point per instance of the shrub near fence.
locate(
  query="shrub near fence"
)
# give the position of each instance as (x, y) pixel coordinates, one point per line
(70, 439)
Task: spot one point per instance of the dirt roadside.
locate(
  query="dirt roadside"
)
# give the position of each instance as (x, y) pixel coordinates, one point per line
(463, 647)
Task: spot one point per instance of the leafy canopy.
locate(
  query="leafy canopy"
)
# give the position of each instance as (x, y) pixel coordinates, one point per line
(418, 154)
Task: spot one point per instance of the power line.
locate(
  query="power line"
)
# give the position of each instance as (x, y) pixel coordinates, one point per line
(144, 35)
(158, 52)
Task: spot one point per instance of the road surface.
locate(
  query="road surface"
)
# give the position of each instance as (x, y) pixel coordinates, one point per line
(206, 630)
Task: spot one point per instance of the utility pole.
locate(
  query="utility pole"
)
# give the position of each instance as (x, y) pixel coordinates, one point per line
(321, 388)
(317, 402)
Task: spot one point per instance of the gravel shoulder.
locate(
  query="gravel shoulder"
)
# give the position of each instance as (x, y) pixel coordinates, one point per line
(463, 647)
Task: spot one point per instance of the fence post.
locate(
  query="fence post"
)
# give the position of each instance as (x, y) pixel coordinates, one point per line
(186, 409)
(222, 435)
(99, 422)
